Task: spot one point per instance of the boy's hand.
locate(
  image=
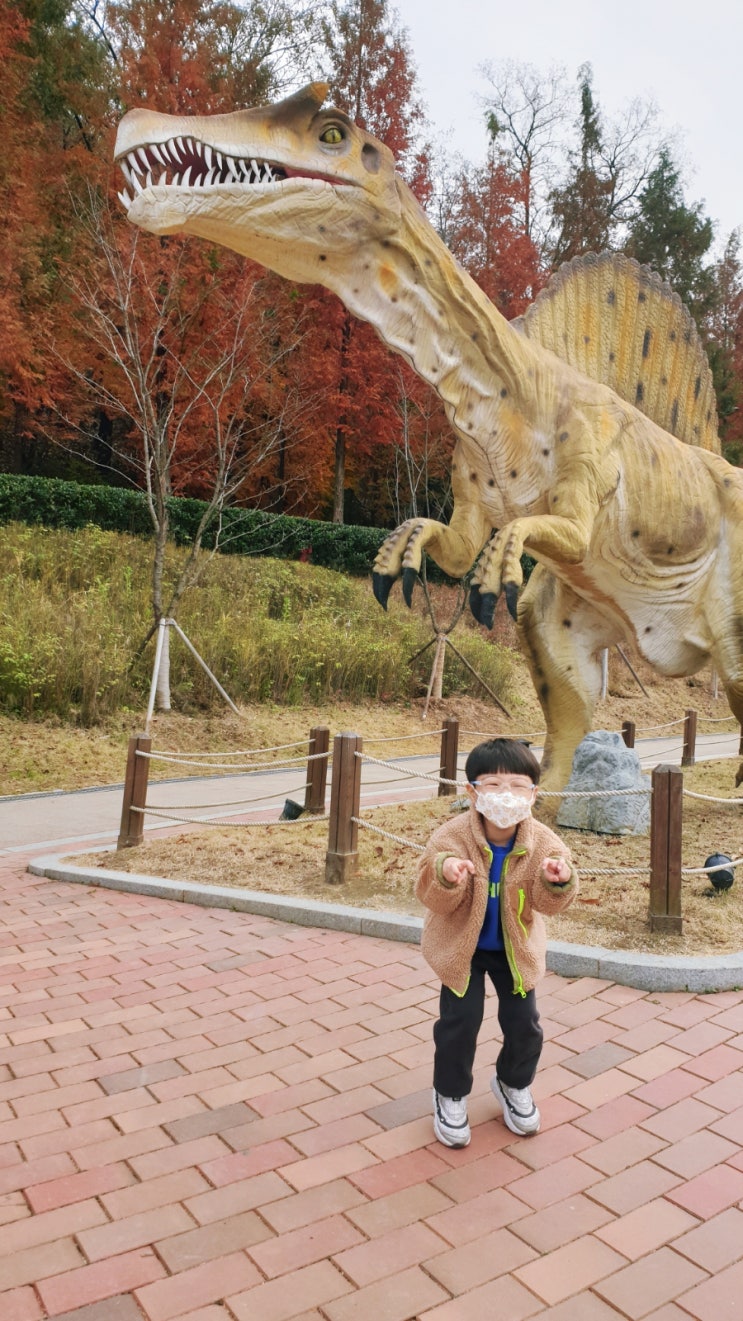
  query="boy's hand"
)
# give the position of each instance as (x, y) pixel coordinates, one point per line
(556, 871)
(456, 870)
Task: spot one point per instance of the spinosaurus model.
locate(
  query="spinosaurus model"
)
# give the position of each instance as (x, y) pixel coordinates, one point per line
(586, 432)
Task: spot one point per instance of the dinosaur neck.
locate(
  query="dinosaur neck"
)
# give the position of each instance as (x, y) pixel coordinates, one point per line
(424, 306)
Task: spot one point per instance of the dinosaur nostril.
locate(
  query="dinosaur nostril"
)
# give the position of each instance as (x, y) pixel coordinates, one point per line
(370, 158)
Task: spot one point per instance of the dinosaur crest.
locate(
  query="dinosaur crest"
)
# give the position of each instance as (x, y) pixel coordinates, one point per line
(620, 323)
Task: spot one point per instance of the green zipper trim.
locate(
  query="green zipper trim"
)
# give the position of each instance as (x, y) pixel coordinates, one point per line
(518, 981)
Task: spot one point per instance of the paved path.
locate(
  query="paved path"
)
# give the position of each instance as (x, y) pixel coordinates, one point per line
(50, 820)
(215, 1117)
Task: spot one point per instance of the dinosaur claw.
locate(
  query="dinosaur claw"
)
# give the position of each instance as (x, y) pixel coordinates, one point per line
(512, 599)
(475, 602)
(409, 579)
(488, 602)
(382, 586)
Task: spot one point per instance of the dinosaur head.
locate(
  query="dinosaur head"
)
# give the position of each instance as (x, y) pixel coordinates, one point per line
(293, 186)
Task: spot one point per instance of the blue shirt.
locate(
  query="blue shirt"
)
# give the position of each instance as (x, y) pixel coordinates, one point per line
(491, 935)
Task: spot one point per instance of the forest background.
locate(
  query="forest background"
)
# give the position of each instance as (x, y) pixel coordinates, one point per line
(181, 369)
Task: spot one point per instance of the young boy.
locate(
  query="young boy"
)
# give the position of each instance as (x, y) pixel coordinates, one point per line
(486, 877)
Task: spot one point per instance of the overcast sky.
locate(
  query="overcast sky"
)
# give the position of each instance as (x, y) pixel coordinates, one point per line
(685, 54)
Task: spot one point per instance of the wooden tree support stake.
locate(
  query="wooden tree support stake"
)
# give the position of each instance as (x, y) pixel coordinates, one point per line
(342, 857)
(135, 792)
(628, 733)
(666, 813)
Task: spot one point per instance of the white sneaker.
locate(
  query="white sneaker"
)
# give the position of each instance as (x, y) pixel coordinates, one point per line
(450, 1120)
(519, 1111)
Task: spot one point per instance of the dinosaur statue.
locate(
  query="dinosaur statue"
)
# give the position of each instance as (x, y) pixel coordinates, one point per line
(586, 433)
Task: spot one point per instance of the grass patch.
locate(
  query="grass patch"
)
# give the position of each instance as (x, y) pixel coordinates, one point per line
(610, 911)
(74, 606)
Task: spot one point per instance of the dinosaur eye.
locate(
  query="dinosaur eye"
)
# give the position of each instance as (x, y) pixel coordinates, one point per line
(332, 135)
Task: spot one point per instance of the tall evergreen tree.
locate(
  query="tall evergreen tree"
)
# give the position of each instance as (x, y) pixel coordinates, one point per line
(583, 206)
(673, 238)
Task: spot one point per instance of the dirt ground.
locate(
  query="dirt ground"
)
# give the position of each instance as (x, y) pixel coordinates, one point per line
(611, 911)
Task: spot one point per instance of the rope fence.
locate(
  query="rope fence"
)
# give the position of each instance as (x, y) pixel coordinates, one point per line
(346, 760)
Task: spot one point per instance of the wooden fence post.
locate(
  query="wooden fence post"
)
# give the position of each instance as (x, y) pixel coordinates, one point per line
(449, 754)
(341, 859)
(628, 733)
(690, 738)
(135, 792)
(317, 770)
(666, 809)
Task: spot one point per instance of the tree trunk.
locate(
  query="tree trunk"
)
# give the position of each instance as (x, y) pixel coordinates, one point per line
(339, 476)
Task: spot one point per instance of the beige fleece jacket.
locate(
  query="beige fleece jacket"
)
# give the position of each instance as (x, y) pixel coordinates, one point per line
(456, 913)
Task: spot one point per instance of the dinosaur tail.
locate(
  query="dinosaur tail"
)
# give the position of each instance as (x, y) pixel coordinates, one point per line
(620, 323)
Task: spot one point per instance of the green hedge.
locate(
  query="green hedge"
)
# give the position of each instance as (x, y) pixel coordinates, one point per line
(59, 504)
(54, 503)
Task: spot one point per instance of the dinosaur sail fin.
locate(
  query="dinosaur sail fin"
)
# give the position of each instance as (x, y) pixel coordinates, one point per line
(620, 323)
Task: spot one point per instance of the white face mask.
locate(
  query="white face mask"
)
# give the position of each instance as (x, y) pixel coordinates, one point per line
(504, 809)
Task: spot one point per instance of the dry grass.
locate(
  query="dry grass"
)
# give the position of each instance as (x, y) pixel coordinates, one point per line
(610, 911)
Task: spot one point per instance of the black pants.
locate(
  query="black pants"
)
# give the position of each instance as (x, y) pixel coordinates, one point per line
(455, 1033)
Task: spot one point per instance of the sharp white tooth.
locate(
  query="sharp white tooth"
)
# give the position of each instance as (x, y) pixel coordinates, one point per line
(143, 157)
(148, 180)
(156, 152)
(211, 178)
(126, 171)
(125, 199)
(231, 166)
(180, 144)
(192, 146)
(133, 162)
(137, 184)
(168, 153)
(208, 155)
(185, 181)
(269, 174)
(219, 159)
(176, 180)
(254, 164)
(163, 179)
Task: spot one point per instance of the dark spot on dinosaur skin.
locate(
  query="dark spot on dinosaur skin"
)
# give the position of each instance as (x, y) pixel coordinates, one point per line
(474, 337)
(567, 623)
(664, 380)
(568, 668)
(544, 691)
(654, 458)
(696, 430)
(639, 392)
(672, 336)
(697, 386)
(473, 476)
(611, 357)
(586, 339)
(611, 297)
(563, 435)
(674, 414)
(726, 481)
(503, 392)
(370, 158)
(679, 586)
(323, 257)
(321, 229)
(709, 414)
(642, 298)
(636, 532)
(687, 337)
(514, 473)
(648, 628)
(491, 481)
(428, 261)
(385, 242)
(545, 453)
(670, 550)
(646, 343)
(555, 499)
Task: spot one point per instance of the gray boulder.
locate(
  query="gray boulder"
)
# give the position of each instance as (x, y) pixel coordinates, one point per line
(602, 761)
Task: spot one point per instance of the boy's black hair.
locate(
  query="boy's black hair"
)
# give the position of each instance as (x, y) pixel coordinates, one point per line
(501, 754)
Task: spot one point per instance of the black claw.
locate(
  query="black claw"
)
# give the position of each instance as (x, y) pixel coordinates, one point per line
(409, 579)
(382, 586)
(487, 609)
(512, 599)
(475, 602)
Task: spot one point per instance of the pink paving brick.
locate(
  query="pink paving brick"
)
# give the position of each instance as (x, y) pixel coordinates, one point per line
(207, 1283)
(504, 1299)
(21, 1305)
(90, 1284)
(570, 1269)
(647, 1228)
(78, 1187)
(463, 1268)
(715, 1244)
(389, 1254)
(710, 1192)
(614, 1117)
(552, 1184)
(649, 1283)
(278, 1299)
(560, 1223)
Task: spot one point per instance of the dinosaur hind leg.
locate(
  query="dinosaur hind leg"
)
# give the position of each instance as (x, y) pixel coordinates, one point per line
(734, 692)
(561, 637)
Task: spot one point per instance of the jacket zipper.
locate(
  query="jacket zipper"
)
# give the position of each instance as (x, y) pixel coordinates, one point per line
(518, 981)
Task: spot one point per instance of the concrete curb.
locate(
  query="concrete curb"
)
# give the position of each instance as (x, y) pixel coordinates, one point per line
(645, 972)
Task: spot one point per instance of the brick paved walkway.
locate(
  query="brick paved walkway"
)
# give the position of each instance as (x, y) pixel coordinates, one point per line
(215, 1117)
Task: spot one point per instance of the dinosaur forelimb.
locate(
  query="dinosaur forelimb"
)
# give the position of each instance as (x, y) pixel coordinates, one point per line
(561, 540)
(454, 548)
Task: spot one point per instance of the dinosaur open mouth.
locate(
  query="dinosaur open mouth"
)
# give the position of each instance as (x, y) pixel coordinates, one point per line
(188, 163)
